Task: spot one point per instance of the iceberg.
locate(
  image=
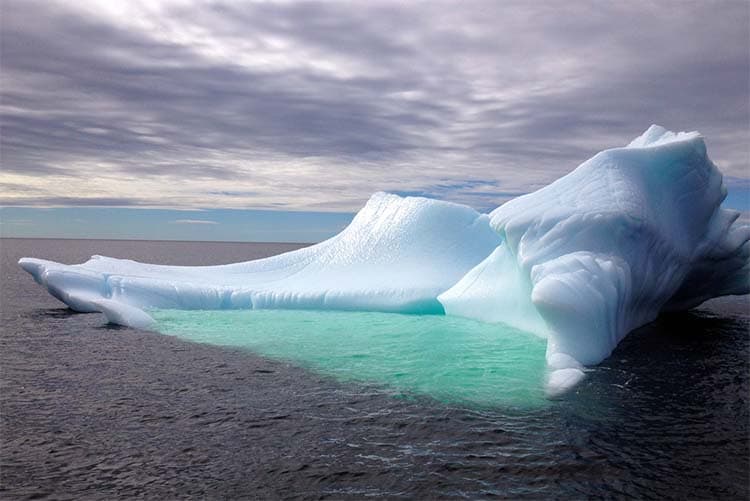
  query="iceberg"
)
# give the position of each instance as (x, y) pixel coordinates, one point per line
(630, 233)
(397, 255)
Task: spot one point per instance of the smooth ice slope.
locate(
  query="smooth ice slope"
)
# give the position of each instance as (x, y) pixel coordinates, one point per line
(397, 255)
(630, 233)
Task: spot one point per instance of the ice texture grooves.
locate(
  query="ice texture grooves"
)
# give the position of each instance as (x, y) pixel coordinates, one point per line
(630, 233)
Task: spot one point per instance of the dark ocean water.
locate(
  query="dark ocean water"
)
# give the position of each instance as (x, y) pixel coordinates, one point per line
(95, 411)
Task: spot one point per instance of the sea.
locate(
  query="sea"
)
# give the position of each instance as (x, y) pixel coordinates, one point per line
(316, 405)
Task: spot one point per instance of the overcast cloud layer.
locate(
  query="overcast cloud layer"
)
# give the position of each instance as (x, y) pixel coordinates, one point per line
(313, 106)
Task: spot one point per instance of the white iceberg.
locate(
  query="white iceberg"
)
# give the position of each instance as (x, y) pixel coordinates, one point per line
(397, 255)
(630, 233)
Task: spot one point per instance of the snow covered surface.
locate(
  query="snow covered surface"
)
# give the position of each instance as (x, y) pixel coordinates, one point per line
(630, 233)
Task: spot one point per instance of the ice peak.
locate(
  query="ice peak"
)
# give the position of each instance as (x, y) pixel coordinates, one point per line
(656, 135)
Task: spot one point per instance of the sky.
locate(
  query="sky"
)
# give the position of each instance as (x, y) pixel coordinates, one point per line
(277, 120)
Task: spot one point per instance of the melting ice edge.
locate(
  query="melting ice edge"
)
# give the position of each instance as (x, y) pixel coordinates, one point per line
(630, 233)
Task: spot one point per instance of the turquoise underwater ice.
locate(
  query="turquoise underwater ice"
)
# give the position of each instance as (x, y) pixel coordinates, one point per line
(450, 359)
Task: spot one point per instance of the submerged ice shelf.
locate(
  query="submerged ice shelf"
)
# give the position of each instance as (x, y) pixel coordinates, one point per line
(630, 233)
(450, 359)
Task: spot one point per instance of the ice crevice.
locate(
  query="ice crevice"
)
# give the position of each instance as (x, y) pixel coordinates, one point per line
(630, 233)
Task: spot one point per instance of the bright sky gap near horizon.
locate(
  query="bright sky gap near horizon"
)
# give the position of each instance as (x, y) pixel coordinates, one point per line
(276, 121)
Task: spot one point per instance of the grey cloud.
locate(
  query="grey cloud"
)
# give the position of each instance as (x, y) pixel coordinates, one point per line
(515, 92)
(73, 202)
(197, 105)
(193, 221)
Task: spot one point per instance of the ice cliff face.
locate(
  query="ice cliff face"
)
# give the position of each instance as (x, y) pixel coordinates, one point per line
(630, 233)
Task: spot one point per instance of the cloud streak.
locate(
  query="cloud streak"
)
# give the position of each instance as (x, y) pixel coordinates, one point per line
(194, 221)
(313, 106)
